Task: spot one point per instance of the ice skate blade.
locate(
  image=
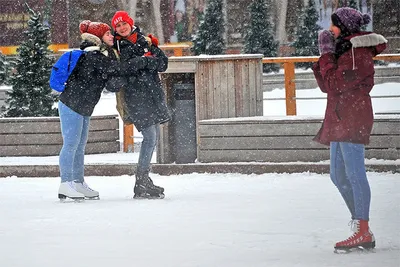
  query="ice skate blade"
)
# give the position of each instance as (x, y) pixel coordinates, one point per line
(92, 198)
(358, 249)
(65, 199)
(161, 196)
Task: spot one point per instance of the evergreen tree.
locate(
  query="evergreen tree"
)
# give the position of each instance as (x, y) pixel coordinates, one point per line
(353, 4)
(4, 70)
(209, 38)
(259, 37)
(306, 35)
(31, 94)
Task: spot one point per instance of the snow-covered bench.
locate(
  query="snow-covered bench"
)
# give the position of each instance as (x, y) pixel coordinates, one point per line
(284, 139)
(41, 136)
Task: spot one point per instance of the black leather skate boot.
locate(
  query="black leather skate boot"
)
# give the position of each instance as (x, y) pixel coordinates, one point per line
(145, 175)
(144, 188)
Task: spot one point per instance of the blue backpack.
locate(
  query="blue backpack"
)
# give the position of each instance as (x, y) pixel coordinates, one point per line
(63, 68)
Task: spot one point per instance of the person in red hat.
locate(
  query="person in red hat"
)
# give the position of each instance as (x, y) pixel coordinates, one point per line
(94, 70)
(345, 72)
(144, 99)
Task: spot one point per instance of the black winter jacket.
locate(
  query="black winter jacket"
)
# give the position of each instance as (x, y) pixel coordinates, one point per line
(144, 95)
(87, 81)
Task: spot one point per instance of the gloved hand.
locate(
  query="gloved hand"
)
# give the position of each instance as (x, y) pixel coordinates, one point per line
(116, 83)
(148, 40)
(154, 40)
(326, 42)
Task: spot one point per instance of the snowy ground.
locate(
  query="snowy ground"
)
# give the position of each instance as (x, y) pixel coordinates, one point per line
(204, 221)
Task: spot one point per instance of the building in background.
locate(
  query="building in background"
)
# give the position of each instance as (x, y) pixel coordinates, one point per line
(14, 17)
(178, 20)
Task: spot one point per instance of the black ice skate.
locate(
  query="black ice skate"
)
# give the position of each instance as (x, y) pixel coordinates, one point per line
(159, 188)
(145, 190)
(145, 176)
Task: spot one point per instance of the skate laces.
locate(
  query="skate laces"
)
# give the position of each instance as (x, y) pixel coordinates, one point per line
(85, 185)
(71, 184)
(354, 225)
(350, 238)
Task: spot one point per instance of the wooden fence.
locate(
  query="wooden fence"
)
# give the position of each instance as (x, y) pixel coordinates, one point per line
(290, 77)
(284, 139)
(225, 86)
(41, 136)
(306, 80)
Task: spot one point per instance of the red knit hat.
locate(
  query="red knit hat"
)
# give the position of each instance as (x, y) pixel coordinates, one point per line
(96, 28)
(121, 16)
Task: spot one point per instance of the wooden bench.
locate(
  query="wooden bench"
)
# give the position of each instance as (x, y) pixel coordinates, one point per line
(41, 136)
(284, 139)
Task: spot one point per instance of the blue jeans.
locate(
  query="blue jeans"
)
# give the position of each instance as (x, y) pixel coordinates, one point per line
(150, 138)
(75, 131)
(348, 173)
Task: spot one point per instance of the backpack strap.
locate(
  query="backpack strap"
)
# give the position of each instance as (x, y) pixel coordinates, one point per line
(69, 60)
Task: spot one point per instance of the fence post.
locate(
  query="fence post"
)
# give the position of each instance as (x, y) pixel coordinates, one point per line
(178, 51)
(128, 138)
(290, 88)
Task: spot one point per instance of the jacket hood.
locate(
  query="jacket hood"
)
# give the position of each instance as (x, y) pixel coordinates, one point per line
(368, 40)
(91, 38)
(88, 46)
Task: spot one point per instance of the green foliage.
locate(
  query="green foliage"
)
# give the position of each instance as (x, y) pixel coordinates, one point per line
(4, 70)
(353, 4)
(209, 39)
(31, 95)
(306, 35)
(259, 36)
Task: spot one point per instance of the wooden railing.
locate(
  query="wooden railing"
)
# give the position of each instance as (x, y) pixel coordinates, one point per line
(177, 50)
(289, 69)
(290, 84)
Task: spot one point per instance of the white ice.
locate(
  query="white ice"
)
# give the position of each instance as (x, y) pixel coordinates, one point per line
(205, 221)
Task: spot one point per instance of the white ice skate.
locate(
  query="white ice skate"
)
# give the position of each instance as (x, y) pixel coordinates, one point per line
(88, 192)
(68, 190)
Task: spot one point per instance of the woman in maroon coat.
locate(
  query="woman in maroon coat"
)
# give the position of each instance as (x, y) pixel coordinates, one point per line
(345, 71)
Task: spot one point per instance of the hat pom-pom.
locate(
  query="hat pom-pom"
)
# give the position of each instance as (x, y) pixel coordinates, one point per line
(84, 26)
(366, 19)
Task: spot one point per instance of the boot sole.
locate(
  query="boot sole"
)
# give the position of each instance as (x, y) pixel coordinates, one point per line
(145, 196)
(93, 198)
(369, 245)
(63, 197)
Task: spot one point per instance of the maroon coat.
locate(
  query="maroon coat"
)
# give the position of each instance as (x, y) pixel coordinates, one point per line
(348, 80)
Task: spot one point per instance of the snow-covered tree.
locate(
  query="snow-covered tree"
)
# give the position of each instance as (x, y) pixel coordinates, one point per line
(306, 34)
(209, 39)
(31, 94)
(259, 37)
(353, 4)
(4, 70)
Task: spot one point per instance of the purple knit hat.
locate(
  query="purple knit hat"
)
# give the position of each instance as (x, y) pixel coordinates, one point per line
(349, 18)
